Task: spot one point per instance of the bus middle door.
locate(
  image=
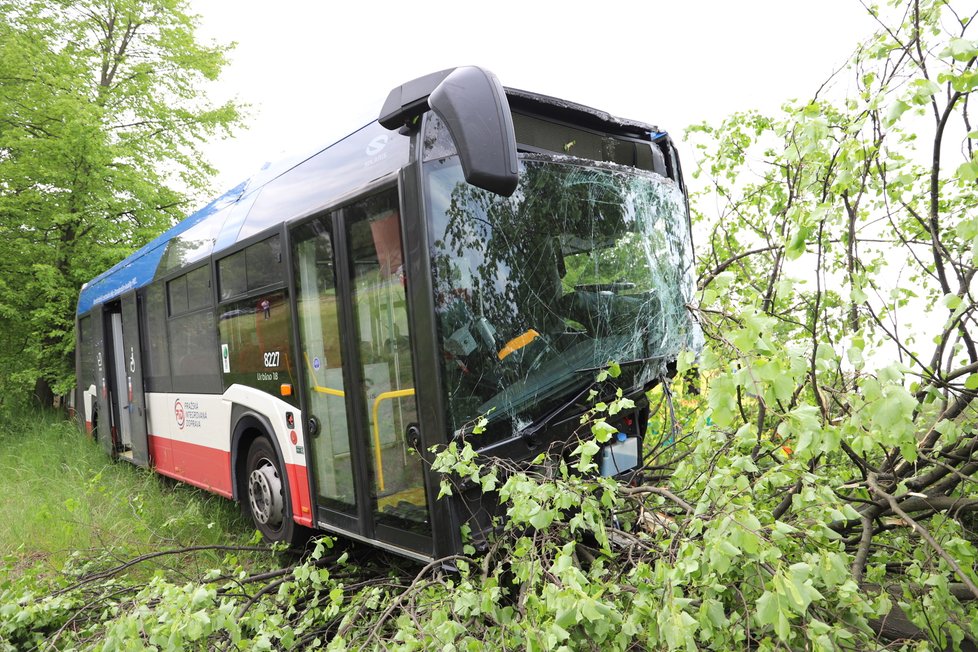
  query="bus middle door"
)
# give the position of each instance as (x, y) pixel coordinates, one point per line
(130, 382)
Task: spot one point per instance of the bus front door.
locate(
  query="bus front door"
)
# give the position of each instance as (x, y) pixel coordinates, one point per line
(359, 392)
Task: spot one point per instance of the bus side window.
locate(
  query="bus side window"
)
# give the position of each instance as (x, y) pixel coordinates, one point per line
(192, 333)
(253, 268)
(156, 363)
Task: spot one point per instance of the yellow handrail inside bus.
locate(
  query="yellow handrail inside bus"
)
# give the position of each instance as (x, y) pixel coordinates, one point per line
(383, 396)
(319, 388)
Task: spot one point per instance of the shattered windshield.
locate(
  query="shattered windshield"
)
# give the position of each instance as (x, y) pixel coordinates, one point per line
(586, 263)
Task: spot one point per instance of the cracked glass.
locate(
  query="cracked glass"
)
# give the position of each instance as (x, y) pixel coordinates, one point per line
(587, 263)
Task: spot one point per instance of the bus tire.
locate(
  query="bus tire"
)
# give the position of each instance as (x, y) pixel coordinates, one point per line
(266, 498)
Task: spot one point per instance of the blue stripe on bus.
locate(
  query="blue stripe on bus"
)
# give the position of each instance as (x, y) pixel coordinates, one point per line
(139, 269)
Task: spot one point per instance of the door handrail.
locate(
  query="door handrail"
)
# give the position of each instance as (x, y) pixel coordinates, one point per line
(384, 396)
(319, 388)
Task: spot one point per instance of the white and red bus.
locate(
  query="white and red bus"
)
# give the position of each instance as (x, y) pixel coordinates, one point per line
(301, 343)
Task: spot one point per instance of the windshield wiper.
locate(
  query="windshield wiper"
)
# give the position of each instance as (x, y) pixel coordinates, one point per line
(626, 363)
(541, 422)
(548, 418)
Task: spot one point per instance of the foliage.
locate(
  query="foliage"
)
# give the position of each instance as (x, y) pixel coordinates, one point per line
(839, 299)
(720, 573)
(101, 120)
(814, 488)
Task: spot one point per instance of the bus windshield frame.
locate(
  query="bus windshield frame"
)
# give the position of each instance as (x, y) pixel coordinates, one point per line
(587, 263)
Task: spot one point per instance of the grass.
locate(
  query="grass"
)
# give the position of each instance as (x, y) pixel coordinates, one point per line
(62, 495)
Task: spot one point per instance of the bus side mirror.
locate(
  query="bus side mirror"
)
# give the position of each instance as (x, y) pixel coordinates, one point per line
(473, 105)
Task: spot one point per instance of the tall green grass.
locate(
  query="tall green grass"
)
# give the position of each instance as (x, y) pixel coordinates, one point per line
(60, 494)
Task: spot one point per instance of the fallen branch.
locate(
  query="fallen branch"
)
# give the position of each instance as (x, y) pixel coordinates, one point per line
(658, 491)
(115, 570)
(922, 531)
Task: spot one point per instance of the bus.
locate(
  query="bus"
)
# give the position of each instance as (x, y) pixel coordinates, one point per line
(303, 342)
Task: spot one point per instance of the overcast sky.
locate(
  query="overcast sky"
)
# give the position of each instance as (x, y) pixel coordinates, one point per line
(315, 71)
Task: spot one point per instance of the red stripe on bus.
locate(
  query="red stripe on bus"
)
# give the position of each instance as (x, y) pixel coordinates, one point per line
(88, 427)
(210, 469)
(299, 490)
(201, 466)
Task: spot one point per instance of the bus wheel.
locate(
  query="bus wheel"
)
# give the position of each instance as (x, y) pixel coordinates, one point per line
(268, 497)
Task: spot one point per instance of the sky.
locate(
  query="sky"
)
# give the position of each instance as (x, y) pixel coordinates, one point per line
(313, 72)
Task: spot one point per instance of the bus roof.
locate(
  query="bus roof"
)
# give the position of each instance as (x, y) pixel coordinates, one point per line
(303, 184)
(274, 194)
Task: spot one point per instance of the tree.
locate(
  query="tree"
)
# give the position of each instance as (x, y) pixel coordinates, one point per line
(840, 301)
(101, 119)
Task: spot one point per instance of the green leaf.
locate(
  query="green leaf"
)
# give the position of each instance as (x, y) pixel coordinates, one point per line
(967, 172)
(967, 229)
(796, 245)
(686, 361)
(602, 431)
(897, 109)
(963, 82)
(771, 612)
(542, 519)
(971, 382)
(952, 301)
(923, 90)
(960, 49)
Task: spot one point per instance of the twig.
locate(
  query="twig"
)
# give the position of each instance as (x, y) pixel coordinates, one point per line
(658, 491)
(152, 555)
(862, 553)
(264, 590)
(922, 531)
(397, 601)
(785, 503)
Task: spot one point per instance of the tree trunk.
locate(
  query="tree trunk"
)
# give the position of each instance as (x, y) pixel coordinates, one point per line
(43, 396)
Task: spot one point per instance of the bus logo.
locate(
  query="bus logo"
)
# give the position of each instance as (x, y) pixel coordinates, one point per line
(377, 145)
(179, 414)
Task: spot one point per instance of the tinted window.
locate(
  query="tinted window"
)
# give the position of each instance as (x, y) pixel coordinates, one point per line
(199, 288)
(256, 343)
(233, 274)
(264, 263)
(176, 291)
(156, 364)
(258, 266)
(194, 357)
(85, 352)
(190, 292)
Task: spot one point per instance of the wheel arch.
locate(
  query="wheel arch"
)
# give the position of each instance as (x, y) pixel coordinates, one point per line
(249, 426)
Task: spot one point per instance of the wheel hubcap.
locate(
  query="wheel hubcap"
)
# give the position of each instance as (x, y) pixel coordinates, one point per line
(265, 494)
